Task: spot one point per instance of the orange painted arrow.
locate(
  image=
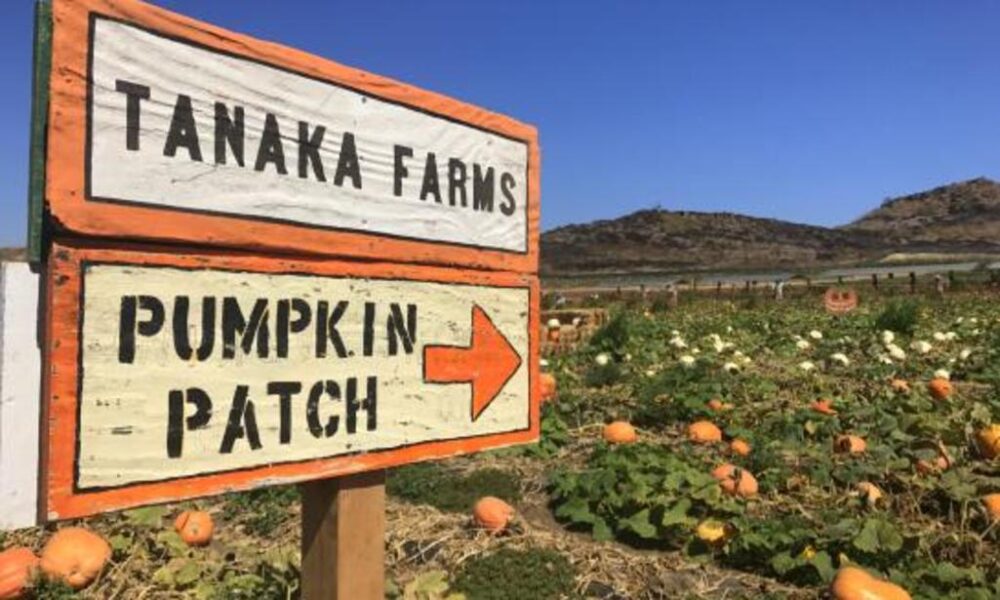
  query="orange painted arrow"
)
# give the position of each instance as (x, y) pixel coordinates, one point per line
(487, 363)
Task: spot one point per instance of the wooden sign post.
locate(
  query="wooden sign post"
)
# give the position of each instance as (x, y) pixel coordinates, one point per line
(265, 268)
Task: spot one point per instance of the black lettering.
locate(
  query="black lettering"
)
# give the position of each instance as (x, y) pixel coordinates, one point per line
(309, 151)
(284, 390)
(183, 130)
(368, 334)
(399, 330)
(233, 324)
(176, 423)
(507, 184)
(332, 390)
(287, 326)
(228, 131)
(242, 422)
(369, 404)
(133, 94)
(482, 188)
(326, 332)
(399, 170)
(182, 344)
(128, 323)
(456, 181)
(271, 149)
(431, 184)
(348, 164)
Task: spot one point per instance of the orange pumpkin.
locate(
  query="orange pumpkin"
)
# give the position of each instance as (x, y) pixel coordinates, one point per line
(939, 388)
(849, 444)
(991, 502)
(17, 566)
(718, 405)
(870, 492)
(840, 301)
(195, 527)
(620, 432)
(548, 382)
(852, 583)
(900, 385)
(735, 481)
(988, 440)
(492, 514)
(824, 406)
(741, 447)
(76, 556)
(704, 432)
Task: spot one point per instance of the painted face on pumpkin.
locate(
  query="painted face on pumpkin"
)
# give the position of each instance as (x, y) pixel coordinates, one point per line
(839, 301)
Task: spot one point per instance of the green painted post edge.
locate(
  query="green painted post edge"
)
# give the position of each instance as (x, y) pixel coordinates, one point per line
(39, 123)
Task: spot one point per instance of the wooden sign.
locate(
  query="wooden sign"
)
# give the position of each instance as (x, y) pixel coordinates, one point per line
(180, 375)
(163, 128)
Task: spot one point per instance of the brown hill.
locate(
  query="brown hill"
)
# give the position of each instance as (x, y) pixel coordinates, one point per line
(958, 218)
(967, 212)
(12, 254)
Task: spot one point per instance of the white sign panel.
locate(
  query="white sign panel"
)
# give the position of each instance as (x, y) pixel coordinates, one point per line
(189, 372)
(174, 124)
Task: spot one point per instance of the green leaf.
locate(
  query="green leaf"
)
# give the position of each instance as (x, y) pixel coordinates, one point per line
(823, 563)
(150, 516)
(677, 515)
(640, 525)
(601, 531)
(878, 535)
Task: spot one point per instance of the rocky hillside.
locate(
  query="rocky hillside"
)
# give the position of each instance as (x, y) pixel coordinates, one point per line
(962, 217)
(12, 254)
(966, 213)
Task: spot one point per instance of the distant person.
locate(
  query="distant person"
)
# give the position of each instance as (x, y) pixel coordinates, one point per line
(939, 285)
(673, 292)
(779, 290)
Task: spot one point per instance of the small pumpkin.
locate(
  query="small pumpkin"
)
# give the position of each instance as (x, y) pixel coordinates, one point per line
(988, 440)
(991, 502)
(712, 532)
(76, 556)
(195, 527)
(704, 432)
(17, 566)
(735, 481)
(849, 444)
(869, 492)
(492, 514)
(740, 447)
(620, 432)
(852, 583)
(824, 406)
(718, 405)
(548, 382)
(900, 386)
(939, 388)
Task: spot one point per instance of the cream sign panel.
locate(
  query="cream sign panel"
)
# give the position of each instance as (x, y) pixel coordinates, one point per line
(188, 372)
(177, 125)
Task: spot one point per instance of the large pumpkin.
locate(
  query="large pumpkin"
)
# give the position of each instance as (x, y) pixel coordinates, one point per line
(620, 432)
(16, 568)
(735, 481)
(849, 444)
(195, 527)
(988, 440)
(704, 432)
(852, 583)
(492, 514)
(76, 556)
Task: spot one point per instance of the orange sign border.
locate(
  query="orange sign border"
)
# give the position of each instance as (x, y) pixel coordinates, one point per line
(67, 194)
(61, 379)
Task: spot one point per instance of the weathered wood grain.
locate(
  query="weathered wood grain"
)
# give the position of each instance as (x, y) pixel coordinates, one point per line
(112, 176)
(20, 377)
(343, 538)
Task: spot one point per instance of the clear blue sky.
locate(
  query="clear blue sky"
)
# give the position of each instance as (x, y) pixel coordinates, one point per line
(807, 111)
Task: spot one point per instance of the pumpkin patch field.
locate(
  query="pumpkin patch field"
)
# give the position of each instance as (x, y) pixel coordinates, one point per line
(725, 448)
